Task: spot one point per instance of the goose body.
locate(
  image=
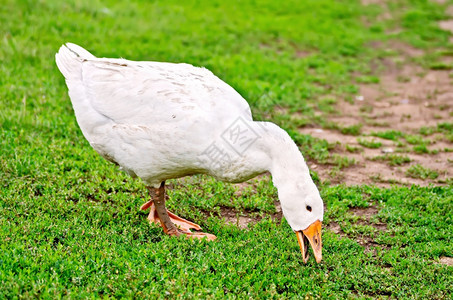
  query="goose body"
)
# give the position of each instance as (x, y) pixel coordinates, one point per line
(159, 121)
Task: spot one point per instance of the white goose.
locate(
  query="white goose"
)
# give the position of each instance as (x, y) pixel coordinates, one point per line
(160, 121)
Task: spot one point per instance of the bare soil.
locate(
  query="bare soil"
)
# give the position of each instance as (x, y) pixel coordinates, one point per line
(406, 99)
(243, 219)
(446, 260)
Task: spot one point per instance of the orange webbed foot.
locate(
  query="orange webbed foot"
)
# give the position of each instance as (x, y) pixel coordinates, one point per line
(192, 235)
(182, 225)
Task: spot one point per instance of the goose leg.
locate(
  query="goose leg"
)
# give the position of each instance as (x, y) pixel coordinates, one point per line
(153, 217)
(171, 223)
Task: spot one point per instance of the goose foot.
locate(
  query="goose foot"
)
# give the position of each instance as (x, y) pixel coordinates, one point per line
(180, 223)
(192, 235)
(171, 223)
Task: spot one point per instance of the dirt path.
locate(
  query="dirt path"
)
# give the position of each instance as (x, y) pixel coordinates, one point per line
(407, 100)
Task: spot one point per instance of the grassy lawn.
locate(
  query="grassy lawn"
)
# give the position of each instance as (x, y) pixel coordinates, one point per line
(70, 224)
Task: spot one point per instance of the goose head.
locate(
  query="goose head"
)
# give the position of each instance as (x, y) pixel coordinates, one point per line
(303, 209)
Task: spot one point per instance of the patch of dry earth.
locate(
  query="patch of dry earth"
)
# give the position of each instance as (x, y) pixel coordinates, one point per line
(406, 99)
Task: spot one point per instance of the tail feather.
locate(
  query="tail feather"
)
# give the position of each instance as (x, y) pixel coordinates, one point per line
(69, 60)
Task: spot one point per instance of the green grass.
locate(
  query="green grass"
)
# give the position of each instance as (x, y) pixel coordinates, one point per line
(70, 224)
(393, 159)
(77, 248)
(389, 134)
(415, 139)
(353, 149)
(446, 129)
(420, 149)
(367, 79)
(372, 144)
(441, 66)
(351, 130)
(418, 171)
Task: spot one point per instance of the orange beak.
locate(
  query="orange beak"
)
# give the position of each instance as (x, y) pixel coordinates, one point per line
(311, 235)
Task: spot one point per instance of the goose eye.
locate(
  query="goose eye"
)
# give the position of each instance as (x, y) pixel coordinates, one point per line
(308, 207)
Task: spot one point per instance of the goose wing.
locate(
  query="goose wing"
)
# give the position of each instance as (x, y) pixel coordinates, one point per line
(148, 92)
